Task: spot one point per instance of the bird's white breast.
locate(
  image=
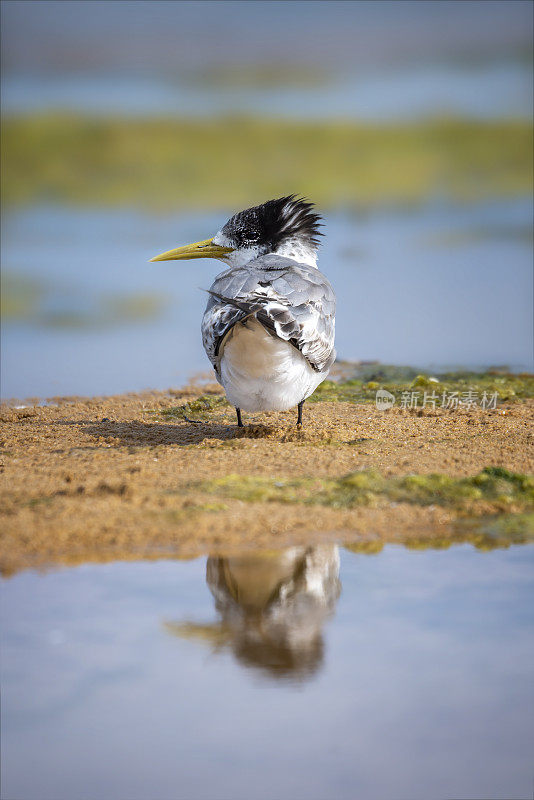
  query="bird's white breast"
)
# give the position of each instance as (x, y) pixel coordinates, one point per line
(261, 372)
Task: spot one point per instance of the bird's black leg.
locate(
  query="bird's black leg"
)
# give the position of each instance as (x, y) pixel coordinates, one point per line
(299, 417)
(239, 420)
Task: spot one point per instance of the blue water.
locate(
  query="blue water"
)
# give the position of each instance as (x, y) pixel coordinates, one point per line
(367, 60)
(434, 287)
(406, 674)
(500, 89)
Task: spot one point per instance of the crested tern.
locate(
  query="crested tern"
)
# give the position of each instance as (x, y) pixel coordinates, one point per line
(269, 324)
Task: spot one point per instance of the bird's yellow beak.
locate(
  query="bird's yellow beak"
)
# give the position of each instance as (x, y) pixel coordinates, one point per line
(205, 249)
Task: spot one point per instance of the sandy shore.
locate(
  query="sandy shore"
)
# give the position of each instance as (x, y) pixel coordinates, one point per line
(128, 477)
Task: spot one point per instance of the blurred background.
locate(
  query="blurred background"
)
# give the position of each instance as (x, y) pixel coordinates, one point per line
(129, 128)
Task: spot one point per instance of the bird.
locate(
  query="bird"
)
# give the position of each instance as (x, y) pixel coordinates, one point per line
(269, 324)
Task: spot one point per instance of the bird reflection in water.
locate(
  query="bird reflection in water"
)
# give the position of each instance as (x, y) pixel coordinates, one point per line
(272, 608)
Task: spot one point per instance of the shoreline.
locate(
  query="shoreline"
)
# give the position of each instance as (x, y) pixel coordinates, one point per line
(129, 477)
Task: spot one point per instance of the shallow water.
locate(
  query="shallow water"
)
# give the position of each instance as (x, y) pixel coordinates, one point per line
(289, 675)
(351, 60)
(439, 286)
(502, 88)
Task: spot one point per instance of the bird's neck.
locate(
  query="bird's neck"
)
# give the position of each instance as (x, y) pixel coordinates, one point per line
(299, 251)
(296, 249)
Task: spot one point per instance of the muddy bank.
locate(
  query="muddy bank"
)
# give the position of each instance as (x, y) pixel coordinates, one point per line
(133, 476)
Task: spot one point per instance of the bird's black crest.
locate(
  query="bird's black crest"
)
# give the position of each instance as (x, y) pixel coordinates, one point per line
(274, 222)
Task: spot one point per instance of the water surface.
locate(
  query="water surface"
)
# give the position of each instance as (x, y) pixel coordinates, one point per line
(319, 60)
(434, 287)
(486, 91)
(312, 673)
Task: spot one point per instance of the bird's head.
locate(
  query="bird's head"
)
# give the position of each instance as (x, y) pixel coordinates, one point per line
(288, 226)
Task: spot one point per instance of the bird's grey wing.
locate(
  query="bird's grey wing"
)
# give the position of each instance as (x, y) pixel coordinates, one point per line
(302, 311)
(293, 301)
(219, 318)
(221, 314)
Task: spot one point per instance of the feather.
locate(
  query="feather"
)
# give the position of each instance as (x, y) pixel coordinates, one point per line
(294, 302)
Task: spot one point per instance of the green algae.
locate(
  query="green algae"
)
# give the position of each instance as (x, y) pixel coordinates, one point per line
(192, 510)
(25, 298)
(20, 295)
(509, 387)
(261, 76)
(522, 234)
(207, 402)
(192, 163)
(201, 407)
(494, 490)
(484, 533)
(372, 547)
(107, 311)
(429, 391)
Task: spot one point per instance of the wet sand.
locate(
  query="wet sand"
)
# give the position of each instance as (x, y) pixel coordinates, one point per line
(121, 477)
